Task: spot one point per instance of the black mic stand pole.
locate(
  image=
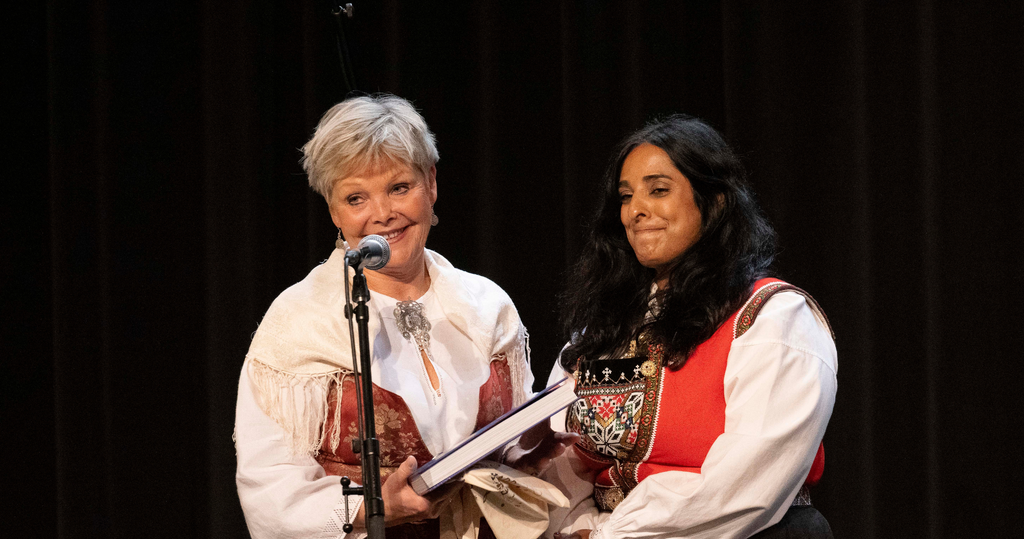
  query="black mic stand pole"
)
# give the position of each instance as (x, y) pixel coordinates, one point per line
(342, 43)
(369, 448)
(369, 453)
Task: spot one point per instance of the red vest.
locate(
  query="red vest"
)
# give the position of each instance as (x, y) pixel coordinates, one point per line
(623, 401)
(397, 431)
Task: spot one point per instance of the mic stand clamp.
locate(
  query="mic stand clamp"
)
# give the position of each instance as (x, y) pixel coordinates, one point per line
(369, 452)
(347, 9)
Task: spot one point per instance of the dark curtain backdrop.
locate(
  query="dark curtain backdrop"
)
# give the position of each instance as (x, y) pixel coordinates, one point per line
(153, 207)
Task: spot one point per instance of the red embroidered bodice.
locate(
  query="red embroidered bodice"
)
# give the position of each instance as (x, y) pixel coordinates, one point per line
(397, 432)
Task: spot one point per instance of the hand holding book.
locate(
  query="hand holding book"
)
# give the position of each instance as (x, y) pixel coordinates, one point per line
(536, 448)
(402, 504)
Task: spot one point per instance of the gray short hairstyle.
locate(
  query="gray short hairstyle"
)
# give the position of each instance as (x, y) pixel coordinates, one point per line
(365, 132)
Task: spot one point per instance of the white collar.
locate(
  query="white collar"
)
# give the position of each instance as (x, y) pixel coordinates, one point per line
(305, 331)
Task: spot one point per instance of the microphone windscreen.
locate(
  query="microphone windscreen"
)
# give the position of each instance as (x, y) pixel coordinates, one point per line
(377, 252)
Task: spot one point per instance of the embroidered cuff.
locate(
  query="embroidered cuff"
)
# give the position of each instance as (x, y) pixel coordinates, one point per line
(337, 519)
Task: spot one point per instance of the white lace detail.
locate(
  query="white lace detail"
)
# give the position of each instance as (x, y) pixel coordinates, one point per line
(518, 363)
(333, 529)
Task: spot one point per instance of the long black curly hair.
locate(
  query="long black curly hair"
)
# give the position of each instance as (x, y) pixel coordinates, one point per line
(607, 295)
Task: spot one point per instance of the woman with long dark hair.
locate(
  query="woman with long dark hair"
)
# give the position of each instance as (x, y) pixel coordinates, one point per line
(705, 385)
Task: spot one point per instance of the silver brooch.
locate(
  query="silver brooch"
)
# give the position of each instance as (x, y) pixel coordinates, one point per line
(411, 322)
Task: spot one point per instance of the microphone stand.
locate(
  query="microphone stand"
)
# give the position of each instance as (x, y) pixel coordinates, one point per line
(369, 450)
(347, 73)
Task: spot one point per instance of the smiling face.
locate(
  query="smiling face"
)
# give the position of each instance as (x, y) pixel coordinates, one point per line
(393, 201)
(658, 211)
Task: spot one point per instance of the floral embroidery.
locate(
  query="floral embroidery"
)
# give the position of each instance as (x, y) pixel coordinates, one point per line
(496, 393)
(397, 433)
(386, 416)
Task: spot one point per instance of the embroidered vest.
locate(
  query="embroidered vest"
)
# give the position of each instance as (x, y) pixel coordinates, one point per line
(397, 432)
(621, 402)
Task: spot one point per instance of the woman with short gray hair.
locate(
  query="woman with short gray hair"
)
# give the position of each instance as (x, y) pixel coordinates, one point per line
(449, 351)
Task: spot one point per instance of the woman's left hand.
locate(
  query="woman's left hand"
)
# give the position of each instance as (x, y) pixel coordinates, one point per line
(533, 452)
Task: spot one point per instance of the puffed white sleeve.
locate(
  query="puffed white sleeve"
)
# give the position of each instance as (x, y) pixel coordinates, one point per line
(780, 386)
(283, 494)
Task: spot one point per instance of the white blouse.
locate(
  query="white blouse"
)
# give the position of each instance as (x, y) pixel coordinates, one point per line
(780, 386)
(445, 417)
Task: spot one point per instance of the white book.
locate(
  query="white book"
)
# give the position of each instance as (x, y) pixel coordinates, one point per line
(495, 435)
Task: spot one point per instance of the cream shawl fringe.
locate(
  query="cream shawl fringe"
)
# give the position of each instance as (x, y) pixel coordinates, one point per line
(298, 403)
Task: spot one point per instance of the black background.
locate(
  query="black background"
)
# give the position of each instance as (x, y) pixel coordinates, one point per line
(153, 206)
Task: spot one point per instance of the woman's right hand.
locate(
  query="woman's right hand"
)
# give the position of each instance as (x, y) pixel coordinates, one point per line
(402, 504)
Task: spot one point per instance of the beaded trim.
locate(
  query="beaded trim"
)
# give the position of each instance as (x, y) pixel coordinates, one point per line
(757, 300)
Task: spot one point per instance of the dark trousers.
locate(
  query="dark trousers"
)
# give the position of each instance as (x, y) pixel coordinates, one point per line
(800, 522)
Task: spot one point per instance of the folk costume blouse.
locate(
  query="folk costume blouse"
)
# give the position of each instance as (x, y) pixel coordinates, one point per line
(295, 414)
(719, 448)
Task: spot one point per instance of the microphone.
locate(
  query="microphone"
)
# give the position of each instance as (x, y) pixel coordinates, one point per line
(372, 253)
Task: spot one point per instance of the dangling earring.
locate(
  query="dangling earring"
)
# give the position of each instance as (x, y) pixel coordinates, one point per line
(339, 243)
(433, 217)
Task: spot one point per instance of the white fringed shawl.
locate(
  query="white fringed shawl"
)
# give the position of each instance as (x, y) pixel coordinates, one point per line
(302, 344)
